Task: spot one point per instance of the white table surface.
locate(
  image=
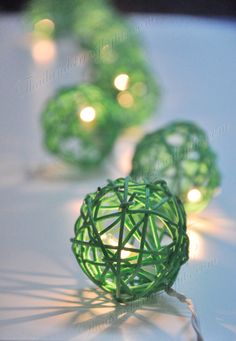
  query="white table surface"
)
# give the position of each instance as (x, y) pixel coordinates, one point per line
(43, 293)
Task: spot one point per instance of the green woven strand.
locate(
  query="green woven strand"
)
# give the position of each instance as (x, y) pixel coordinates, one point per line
(130, 238)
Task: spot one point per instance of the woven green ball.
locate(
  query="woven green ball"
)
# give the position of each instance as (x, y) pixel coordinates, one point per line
(96, 21)
(107, 36)
(130, 238)
(133, 89)
(180, 153)
(68, 136)
(116, 50)
(61, 13)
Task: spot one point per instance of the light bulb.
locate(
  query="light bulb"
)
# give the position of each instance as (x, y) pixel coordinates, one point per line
(44, 51)
(87, 114)
(194, 195)
(125, 99)
(121, 82)
(196, 245)
(113, 241)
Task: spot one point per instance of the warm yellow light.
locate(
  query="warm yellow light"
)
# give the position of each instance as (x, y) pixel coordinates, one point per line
(196, 245)
(213, 223)
(125, 99)
(121, 82)
(125, 254)
(194, 195)
(87, 114)
(109, 239)
(44, 51)
(44, 26)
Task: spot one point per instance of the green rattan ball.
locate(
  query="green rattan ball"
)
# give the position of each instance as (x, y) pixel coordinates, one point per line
(78, 125)
(180, 153)
(133, 89)
(130, 238)
(61, 14)
(106, 34)
(116, 52)
(97, 21)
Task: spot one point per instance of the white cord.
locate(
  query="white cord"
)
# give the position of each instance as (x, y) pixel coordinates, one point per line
(189, 303)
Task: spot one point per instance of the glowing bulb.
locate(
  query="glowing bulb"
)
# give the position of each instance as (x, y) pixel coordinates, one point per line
(87, 114)
(124, 254)
(46, 26)
(194, 195)
(121, 82)
(196, 250)
(44, 51)
(125, 99)
(111, 240)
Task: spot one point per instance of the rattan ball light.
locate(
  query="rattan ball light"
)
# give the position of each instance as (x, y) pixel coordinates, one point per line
(78, 125)
(130, 238)
(181, 154)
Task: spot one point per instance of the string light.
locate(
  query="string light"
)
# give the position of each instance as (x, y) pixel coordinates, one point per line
(44, 51)
(128, 254)
(74, 121)
(194, 195)
(180, 153)
(88, 114)
(135, 89)
(113, 241)
(121, 82)
(125, 99)
(118, 65)
(196, 245)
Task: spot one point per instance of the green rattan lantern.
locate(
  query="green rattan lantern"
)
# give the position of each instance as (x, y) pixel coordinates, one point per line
(132, 88)
(130, 238)
(123, 93)
(107, 35)
(97, 21)
(77, 125)
(52, 17)
(180, 153)
(118, 64)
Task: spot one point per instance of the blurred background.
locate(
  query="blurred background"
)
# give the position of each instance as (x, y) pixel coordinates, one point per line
(194, 7)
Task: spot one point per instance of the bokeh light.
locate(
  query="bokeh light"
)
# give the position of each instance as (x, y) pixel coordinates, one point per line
(194, 195)
(125, 99)
(109, 239)
(44, 51)
(196, 245)
(88, 114)
(121, 82)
